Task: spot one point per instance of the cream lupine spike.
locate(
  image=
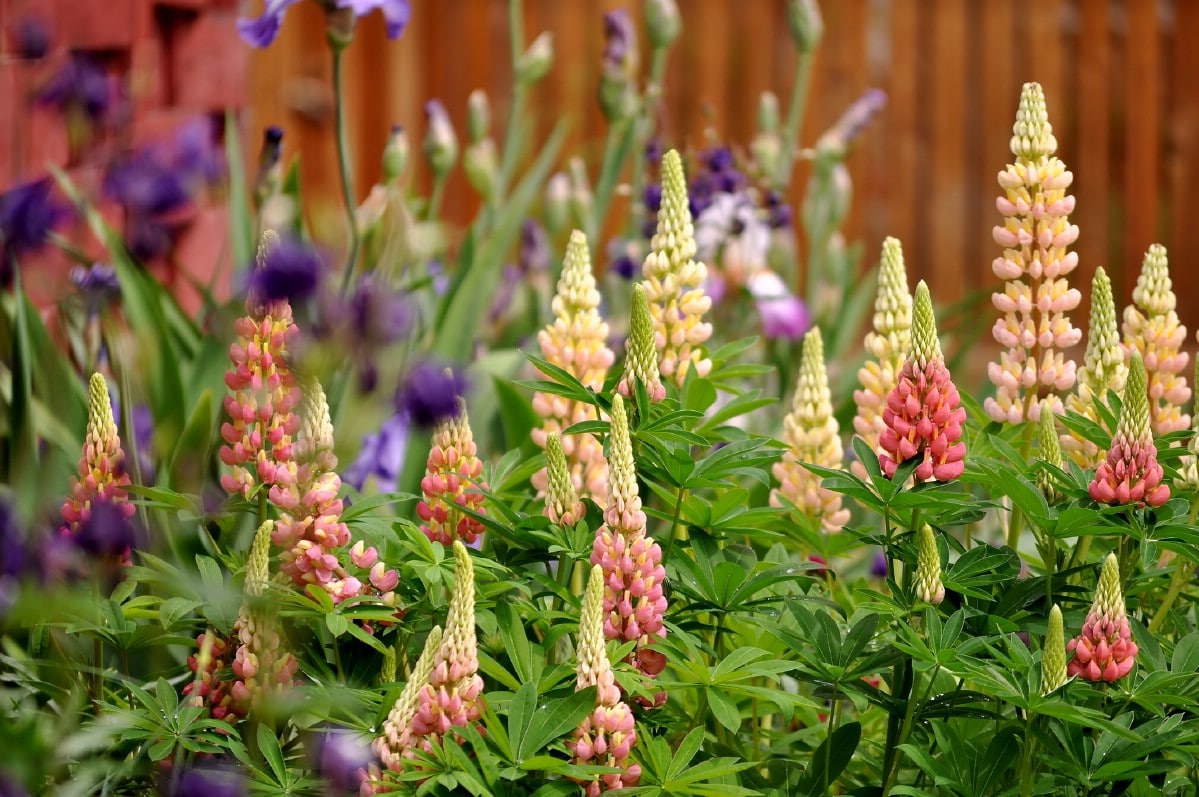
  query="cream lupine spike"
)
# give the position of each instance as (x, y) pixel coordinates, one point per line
(887, 344)
(576, 341)
(396, 738)
(928, 567)
(101, 475)
(605, 736)
(1053, 657)
(811, 434)
(1049, 450)
(1151, 327)
(1189, 470)
(1034, 328)
(641, 361)
(1103, 369)
(674, 281)
(562, 503)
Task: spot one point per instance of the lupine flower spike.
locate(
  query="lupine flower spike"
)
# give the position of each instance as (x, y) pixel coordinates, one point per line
(928, 567)
(310, 528)
(451, 698)
(562, 503)
(575, 341)
(1103, 369)
(1049, 450)
(1131, 473)
(1188, 474)
(102, 475)
(1151, 328)
(1104, 651)
(641, 362)
(887, 344)
(262, 666)
(605, 736)
(213, 684)
(632, 562)
(811, 434)
(1053, 658)
(923, 417)
(396, 736)
(263, 391)
(1034, 328)
(674, 281)
(452, 480)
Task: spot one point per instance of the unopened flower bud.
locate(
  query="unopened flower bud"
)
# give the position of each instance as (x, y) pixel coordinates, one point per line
(557, 202)
(536, 61)
(395, 155)
(481, 164)
(806, 24)
(478, 116)
(928, 567)
(1053, 659)
(441, 143)
(662, 22)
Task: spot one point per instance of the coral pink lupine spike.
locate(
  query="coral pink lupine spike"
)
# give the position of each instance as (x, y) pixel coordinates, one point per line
(1131, 474)
(1104, 650)
(102, 475)
(923, 418)
(453, 478)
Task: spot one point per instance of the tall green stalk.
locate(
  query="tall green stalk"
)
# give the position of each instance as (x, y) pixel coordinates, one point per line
(343, 167)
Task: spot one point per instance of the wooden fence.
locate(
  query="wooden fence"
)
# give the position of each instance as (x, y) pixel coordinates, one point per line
(1121, 78)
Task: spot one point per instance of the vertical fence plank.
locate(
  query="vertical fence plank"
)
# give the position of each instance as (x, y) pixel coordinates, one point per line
(903, 139)
(1142, 135)
(944, 188)
(1183, 174)
(1000, 95)
(1091, 168)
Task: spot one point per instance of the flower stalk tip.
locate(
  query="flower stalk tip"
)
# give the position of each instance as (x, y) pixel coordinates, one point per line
(641, 361)
(1103, 369)
(562, 503)
(1131, 473)
(1104, 650)
(101, 476)
(1152, 329)
(1053, 659)
(1049, 450)
(928, 567)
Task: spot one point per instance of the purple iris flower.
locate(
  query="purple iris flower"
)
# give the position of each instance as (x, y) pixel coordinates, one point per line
(196, 152)
(31, 38)
(80, 85)
(98, 285)
(382, 456)
(292, 270)
(375, 316)
(430, 394)
(262, 31)
(27, 215)
(145, 184)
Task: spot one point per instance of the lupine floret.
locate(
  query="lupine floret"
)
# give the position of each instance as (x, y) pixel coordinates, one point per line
(1152, 329)
(1104, 650)
(923, 418)
(811, 433)
(1035, 328)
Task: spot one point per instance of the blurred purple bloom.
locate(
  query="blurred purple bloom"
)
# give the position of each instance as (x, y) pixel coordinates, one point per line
(653, 197)
(10, 787)
(97, 285)
(778, 211)
(196, 151)
(378, 314)
(80, 85)
(619, 40)
(262, 31)
(854, 120)
(145, 184)
(429, 394)
(31, 38)
(27, 215)
(784, 315)
(438, 276)
(719, 159)
(13, 552)
(501, 300)
(624, 267)
(534, 256)
(382, 456)
(292, 270)
(208, 779)
(879, 566)
(106, 532)
(341, 757)
(701, 192)
(654, 150)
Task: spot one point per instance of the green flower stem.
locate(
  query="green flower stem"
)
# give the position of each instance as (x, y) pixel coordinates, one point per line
(897, 729)
(343, 167)
(795, 115)
(674, 525)
(512, 137)
(644, 126)
(436, 197)
(1027, 770)
(1183, 568)
(832, 728)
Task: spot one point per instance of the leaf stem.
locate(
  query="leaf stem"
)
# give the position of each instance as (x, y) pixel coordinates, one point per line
(343, 167)
(674, 524)
(795, 116)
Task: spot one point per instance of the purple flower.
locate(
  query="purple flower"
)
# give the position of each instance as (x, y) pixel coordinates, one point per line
(534, 256)
(262, 31)
(106, 532)
(778, 211)
(13, 552)
(719, 159)
(80, 86)
(31, 38)
(97, 284)
(27, 215)
(624, 267)
(654, 149)
(854, 120)
(878, 568)
(340, 757)
(619, 40)
(430, 394)
(375, 316)
(196, 151)
(292, 270)
(146, 184)
(10, 787)
(211, 780)
(382, 456)
(784, 315)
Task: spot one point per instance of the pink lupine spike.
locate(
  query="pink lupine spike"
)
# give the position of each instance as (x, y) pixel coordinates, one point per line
(263, 394)
(576, 341)
(1034, 328)
(1131, 474)
(634, 603)
(923, 417)
(453, 478)
(607, 735)
(1104, 650)
(1152, 329)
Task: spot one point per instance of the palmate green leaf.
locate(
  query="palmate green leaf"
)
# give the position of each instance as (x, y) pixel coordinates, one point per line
(979, 569)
